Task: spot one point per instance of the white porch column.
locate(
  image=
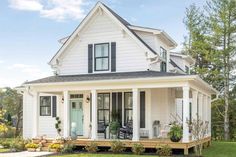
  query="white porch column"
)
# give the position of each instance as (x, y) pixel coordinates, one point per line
(194, 104)
(185, 113)
(149, 105)
(209, 115)
(200, 104)
(94, 115)
(136, 114)
(205, 108)
(66, 125)
(35, 114)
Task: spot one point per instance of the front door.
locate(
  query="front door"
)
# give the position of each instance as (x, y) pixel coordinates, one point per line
(76, 116)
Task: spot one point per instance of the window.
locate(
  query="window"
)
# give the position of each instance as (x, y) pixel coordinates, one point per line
(104, 108)
(163, 54)
(187, 69)
(163, 66)
(101, 57)
(128, 102)
(45, 105)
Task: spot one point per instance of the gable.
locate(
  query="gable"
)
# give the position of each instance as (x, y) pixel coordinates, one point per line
(102, 9)
(102, 29)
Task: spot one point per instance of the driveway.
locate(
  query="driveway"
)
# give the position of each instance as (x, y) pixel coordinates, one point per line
(25, 154)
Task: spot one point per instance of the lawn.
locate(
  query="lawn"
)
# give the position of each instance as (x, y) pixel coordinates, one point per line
(217, 149)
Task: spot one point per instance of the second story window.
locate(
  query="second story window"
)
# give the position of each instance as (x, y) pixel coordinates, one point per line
(163, 54)
(187, 70)
(101, 57)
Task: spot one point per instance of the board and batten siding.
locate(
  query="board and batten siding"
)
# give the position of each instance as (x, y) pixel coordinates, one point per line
(102, 29)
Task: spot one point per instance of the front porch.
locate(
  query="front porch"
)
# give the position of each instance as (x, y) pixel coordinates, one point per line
(151, 106)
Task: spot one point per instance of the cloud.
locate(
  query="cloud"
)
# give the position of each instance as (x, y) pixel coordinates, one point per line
(58, 10)
(1, 61)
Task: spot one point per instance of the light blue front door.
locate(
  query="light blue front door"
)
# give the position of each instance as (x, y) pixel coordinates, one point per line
(76, 116)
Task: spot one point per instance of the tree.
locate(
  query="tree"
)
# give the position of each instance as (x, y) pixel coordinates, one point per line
(211, 41)
(222, 24)
(12, 102)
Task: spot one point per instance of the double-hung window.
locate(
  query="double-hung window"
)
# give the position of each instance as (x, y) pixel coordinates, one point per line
(45, 105)
(101, 57)
(163, 54)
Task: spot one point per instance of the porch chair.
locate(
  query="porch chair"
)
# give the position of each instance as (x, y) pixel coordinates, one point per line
(126, 131)
(102, 128)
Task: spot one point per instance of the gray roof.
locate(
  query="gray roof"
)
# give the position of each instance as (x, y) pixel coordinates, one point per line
(175, 65)
(103, 76)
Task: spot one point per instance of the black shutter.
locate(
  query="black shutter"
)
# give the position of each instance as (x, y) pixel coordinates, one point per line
(90, 107)
(120, 107)
(142, 109)
(113, 56)
(113, 103)
(90, 58)
(54, 106)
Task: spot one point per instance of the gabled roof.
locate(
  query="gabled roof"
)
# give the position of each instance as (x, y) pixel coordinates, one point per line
(186, 57)
(123, 23)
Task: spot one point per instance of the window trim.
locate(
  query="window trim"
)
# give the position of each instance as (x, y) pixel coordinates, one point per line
(94, 55)
(127, 109)
(40, 113)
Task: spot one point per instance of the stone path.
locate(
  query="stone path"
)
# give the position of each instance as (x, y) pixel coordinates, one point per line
(25, 154)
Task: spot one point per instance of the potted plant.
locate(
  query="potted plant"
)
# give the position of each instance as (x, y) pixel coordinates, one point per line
(31, 147)
(55, 147)
(175, 133)
(114, 125)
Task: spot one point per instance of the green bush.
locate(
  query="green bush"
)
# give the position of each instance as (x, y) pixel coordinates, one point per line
(164, 151)
(68, 148)
(56, 146)
(117, 147)
(92, 147)
(138, 149)
(5, 143)
(18, 144)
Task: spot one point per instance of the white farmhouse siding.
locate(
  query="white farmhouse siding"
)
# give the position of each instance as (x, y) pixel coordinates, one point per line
(102, 29)
(27, 115)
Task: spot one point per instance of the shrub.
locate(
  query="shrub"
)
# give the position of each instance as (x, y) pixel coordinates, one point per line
(138, 149)
(68, 148)
(32, 145)
(5, 143)
(18, 144)
(58, 147)
(164, 151)
(91, 148)
(117, 147)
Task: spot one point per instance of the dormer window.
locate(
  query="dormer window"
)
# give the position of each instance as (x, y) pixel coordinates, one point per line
(163, 54)
(101, 57)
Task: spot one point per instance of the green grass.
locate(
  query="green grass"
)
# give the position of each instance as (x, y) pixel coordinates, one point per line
(217, 149)
(221, 149)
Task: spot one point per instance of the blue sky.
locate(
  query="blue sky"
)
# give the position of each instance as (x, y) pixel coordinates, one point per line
(30, 29)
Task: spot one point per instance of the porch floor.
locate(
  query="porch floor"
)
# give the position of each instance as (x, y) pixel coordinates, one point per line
(147, 143)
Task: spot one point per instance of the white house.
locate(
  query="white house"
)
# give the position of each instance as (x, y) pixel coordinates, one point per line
(108, 65)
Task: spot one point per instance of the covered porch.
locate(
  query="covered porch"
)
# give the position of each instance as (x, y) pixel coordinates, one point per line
(150, 105)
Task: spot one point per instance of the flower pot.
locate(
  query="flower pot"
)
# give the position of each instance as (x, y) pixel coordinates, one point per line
(31, 149)
(175, 139)
(54, 150)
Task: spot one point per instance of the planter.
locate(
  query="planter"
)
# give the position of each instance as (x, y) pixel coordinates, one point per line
(54, 150)
(175, 139)
(31, 149)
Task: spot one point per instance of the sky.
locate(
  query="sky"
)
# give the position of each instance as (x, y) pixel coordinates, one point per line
(30, 29)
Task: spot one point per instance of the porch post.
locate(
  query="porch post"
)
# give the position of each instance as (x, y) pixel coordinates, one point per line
(136, 114)
(185, 113)
(149, 107)
(209, 114)
(66, 126)
(200, 104)
(94, 114)
(35, 114)
(194, 104)
(205, 108)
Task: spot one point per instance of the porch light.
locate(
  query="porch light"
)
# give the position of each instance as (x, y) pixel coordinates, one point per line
(87, 99)
(62, 100)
